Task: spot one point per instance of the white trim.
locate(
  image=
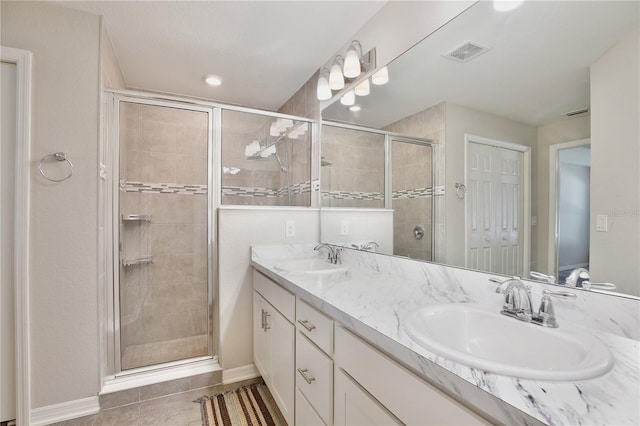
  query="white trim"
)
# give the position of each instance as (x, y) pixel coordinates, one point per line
(526, 194)
(65, 411)
(22, 59)
(552, 239)
(238, 374)
(158, 375)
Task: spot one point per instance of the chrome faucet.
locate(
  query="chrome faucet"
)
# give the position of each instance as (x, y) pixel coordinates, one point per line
(517, 299)
(368, 246)
(580, 278)
(334, 253)
(517, 302)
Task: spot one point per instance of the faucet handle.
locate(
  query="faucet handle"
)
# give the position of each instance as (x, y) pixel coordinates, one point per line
(546, 314)
(588, 285)
(540, 276)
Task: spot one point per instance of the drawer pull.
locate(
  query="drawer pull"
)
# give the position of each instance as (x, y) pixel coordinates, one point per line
(305, 376)
(306, 324)
(266, 321)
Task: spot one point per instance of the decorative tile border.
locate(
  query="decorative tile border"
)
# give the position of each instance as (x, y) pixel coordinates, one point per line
(412, 193)
(244, 191)
(352, 195)
(163, 188)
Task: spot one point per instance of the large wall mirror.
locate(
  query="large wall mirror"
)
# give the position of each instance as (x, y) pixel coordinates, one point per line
(533, 116)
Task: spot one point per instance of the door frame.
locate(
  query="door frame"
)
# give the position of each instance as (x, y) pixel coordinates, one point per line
(22, 59)
(554, 171)
(526, 193)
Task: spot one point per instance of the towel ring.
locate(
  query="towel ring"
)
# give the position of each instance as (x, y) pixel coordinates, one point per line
(461, 190)
(58, 156)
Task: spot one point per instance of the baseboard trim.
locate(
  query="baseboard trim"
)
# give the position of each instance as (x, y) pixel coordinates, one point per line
(65, 411)
(238, 374)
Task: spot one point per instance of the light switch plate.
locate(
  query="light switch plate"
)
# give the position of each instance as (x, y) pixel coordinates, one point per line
(602, 223)
(344, 227)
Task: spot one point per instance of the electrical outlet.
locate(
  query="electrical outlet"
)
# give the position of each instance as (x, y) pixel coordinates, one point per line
(602, 223)
(290, 229)
(344, 227)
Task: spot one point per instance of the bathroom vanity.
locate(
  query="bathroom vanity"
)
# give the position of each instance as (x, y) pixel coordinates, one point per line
(332, 346)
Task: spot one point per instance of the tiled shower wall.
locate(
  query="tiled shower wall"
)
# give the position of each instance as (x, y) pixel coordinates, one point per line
(163, 171)
(353, 170)
(261, 181)
(427, 124)
(412, 199)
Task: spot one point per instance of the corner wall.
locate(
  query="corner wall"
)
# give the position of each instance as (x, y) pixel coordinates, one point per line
(63, 245)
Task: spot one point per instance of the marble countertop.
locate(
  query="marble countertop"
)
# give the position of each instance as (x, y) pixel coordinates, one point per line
(372, 299)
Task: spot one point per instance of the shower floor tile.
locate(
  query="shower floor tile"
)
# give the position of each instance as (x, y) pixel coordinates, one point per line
(142, 355)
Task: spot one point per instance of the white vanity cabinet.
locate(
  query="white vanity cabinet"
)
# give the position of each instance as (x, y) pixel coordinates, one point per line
(377, 390)
(314, 366)
(274, 340)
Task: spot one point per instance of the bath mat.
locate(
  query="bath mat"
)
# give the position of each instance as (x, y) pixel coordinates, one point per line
(250, 405)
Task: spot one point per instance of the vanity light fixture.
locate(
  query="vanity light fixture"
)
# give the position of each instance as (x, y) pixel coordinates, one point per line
(212, 80)
(355, 108)
(506, 5)
(323, 90)
(352, 67)
(380, 77)
(336, 78)
(349, 98)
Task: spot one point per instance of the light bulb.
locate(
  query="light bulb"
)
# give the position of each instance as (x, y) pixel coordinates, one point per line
(323, 91)
(273, 130)
(352, 62)
(363, 88)
(380, 77)
(336, 79)
(349, 98)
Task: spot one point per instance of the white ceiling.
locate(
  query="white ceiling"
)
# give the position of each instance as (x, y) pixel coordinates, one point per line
(264, 50)
(537, 69)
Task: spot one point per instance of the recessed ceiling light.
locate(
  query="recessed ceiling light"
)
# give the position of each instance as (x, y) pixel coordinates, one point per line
(506, 5)
(213, 80)
(355, 108)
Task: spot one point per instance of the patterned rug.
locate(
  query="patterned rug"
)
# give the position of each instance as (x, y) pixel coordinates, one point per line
(250, 405)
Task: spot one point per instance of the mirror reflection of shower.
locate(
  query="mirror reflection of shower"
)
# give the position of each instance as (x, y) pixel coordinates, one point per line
(267, 160)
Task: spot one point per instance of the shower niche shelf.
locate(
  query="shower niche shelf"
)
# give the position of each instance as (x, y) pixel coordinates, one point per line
(137, 261)
(136, 218)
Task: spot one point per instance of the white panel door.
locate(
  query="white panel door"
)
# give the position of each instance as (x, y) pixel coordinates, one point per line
(7, 181)
(494, 209)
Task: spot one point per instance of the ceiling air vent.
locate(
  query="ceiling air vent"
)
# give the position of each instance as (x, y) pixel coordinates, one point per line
(576, 112)
(466, 51)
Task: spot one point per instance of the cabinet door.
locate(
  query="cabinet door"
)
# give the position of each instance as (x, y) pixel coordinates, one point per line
(353, 406)
(282, 342)
(261, 349)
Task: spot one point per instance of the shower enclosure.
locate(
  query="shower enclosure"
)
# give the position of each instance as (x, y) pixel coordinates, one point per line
(164, 298)
(166, 165)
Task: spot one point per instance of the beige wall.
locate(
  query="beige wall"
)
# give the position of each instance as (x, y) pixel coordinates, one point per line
(567, 130)
(460, 121)
(615, 175)
(63, 245)
(111, 74)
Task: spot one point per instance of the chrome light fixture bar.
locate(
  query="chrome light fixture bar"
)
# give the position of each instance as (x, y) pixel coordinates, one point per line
(344, 71)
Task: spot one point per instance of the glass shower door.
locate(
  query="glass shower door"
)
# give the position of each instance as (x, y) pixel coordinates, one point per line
(164, 301)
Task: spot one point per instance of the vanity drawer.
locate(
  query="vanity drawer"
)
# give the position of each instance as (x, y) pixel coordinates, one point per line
(280, 298)
(315, 325)
(382, 377)
(314, 377)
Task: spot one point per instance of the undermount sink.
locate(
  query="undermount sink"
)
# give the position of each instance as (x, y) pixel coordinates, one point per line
(480, 337)
(312, 266)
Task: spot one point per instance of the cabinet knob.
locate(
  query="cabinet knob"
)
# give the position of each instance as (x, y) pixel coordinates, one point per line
(306, 324)
(308, 378)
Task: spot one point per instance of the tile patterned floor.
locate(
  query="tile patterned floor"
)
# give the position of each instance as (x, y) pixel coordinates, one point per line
(169, 350)
(172, 410)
